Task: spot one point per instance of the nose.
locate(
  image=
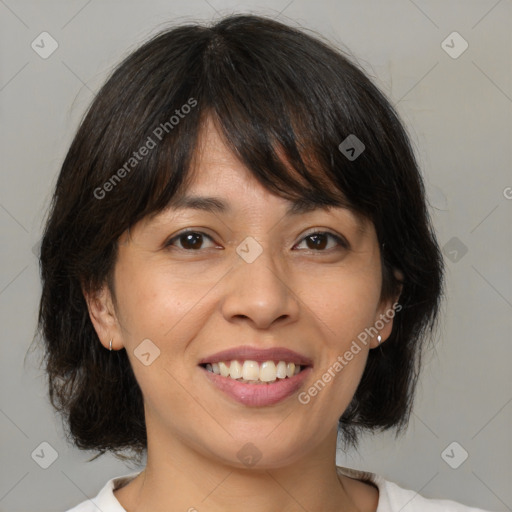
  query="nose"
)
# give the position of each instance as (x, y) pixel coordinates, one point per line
(260, 292)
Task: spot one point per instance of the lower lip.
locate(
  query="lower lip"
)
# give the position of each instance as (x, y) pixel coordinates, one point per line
(258, 395)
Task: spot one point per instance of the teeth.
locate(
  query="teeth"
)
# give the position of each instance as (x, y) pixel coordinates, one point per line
(268, 371)
(224, 369)
(281, 370)
(253, 372)
(235, 370)
(250, 370)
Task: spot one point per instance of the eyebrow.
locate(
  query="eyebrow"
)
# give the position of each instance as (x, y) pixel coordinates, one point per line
(218, 205)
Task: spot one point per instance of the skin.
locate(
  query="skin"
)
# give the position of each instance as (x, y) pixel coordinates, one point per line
(194, 302)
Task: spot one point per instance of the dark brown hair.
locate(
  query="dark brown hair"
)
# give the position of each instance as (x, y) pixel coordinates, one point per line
(279, 96)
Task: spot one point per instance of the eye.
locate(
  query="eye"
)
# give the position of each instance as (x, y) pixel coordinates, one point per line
(189, 240)
(318, 240)
(193, 240)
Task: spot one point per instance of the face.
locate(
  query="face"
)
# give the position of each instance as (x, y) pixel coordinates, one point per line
(252, 284)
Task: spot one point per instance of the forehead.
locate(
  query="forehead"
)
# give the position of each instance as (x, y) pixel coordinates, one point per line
(219, 206)
(219, 183)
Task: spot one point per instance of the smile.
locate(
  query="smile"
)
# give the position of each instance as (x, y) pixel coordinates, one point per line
(255, 376)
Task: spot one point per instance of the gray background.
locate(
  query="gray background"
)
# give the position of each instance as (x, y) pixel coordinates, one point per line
(458, 111)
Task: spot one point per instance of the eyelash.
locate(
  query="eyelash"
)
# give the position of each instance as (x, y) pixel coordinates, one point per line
(341, 241)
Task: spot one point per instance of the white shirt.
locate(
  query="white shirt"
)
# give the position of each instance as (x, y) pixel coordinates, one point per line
(392, 498)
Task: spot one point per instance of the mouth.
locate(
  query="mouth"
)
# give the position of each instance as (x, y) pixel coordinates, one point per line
(257, 377)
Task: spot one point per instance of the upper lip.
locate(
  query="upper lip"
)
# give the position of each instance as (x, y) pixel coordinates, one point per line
(246, 352)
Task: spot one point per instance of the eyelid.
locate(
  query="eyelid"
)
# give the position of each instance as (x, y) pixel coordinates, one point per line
(325, 231)
(186, 231)
(342, 241)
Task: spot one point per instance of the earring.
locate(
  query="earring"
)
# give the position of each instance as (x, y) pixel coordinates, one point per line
(379, 339)
(110, 344)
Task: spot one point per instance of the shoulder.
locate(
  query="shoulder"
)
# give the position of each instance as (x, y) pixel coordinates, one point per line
(105, 499)
(393, 498)
(407, 500)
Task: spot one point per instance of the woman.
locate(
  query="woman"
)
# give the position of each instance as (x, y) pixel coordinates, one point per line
(238, 269)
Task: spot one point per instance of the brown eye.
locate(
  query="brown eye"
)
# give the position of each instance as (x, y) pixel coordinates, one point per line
(318, 241)
(189, 240)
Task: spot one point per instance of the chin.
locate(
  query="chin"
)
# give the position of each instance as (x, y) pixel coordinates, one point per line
(259, 452)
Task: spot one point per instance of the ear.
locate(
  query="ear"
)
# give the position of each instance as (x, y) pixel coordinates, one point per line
(386, 312)
(103, 316)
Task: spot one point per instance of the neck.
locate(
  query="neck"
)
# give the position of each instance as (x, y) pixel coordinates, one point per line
(179, 478)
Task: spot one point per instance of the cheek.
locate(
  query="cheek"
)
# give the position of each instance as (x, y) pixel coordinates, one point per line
(346, 304)
(153, 302)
